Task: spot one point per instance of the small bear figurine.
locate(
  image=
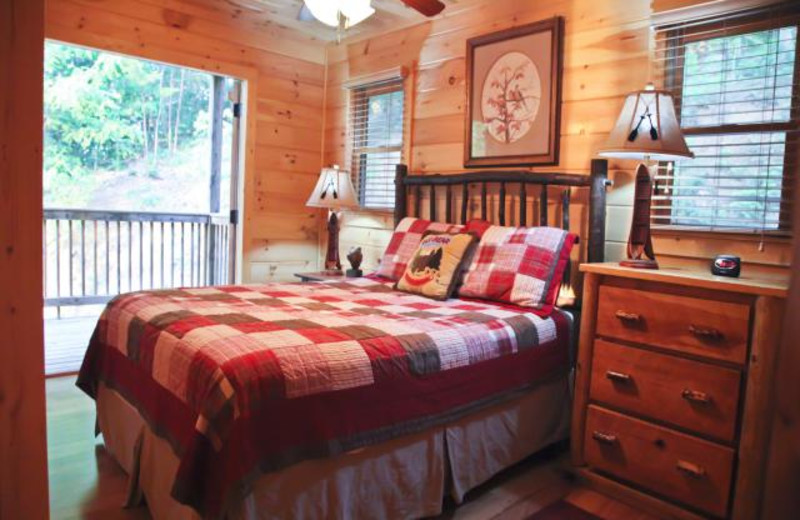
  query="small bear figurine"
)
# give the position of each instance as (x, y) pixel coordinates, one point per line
(355, 257)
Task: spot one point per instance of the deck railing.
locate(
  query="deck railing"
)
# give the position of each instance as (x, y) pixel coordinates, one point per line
(91, 256)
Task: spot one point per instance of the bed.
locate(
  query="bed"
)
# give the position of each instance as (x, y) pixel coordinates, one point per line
(333, 400)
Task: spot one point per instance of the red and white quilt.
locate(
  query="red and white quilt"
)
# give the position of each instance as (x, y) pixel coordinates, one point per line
(246, 379)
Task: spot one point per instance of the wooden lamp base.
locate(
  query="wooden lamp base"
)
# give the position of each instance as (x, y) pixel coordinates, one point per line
(640, 243)
(332, 263)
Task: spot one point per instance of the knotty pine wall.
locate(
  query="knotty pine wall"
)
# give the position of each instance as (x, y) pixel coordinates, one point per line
(606, 56)
(285, 74)
(23, 449)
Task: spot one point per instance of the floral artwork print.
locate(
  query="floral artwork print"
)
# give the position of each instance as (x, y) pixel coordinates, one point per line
(511, 96)
(513, 80)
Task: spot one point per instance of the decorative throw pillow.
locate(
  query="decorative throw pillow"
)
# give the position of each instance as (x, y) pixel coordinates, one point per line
(435, 265)
(404, 243)
(522, 266)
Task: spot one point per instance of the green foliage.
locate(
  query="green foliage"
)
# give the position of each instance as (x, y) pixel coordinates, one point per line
(105, 112)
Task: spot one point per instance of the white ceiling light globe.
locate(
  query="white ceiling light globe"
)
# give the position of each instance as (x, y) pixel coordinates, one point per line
(356, 11)
(326, 11)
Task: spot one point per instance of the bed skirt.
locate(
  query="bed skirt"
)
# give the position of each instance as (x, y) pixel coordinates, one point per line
(402, 478)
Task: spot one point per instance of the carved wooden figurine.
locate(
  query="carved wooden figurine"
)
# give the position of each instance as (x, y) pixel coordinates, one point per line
(355, 257)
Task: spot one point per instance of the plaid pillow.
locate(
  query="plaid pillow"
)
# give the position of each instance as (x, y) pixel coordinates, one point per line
(522, 266)
(404, 244)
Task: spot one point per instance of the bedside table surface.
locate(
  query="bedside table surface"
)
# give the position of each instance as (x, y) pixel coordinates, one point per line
(695, 278)
(321, 276)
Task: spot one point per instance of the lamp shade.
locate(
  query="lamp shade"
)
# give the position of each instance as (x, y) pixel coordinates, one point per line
(333, 190)
(647, 128)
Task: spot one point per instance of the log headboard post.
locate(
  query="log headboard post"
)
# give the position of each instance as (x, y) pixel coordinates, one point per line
(400, 173)
(595, 250)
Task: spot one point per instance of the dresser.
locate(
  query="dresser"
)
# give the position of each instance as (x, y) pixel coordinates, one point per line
(673, 388)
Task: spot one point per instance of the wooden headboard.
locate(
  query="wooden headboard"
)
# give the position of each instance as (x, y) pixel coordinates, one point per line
(521, 179)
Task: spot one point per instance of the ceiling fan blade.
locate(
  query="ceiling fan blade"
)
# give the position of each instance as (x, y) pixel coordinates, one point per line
(426, 7)
(304, 15)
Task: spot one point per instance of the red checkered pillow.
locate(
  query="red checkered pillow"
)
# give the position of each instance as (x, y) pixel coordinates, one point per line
(404, 244)
(522, 266)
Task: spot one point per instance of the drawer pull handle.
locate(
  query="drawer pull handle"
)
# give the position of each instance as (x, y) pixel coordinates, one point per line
(696, 396)
(693, 470)
(705, 333)
(605, 438)
(618, 376)
(630, 317)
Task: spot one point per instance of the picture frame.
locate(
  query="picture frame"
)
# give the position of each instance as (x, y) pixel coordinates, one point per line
(513, 105)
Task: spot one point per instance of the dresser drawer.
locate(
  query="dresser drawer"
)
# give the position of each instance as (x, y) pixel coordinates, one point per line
(675, 465)
(708, 328)
(697, 396)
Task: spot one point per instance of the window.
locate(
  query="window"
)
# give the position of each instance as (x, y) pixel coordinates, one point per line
(377, 126)
(735, 85)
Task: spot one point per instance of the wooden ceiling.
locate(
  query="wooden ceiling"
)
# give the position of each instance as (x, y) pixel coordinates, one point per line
(390, 15)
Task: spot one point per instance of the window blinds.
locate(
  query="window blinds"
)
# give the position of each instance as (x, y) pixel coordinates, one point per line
(377, 129)
(735, 82)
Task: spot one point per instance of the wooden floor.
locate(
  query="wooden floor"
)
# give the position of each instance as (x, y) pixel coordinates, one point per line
(65, 342)
(85, 482)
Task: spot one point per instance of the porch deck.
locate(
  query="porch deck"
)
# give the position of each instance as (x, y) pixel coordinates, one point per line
(65, 342)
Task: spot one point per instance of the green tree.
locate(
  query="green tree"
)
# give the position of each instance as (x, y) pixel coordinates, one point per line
(108, 112)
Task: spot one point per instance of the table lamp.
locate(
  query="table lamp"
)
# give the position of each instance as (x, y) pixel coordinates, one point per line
(647, 129)
(335, 192)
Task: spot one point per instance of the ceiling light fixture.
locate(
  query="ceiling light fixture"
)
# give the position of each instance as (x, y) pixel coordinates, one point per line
(341, 14)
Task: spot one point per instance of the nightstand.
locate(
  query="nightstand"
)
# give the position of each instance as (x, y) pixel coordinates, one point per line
(322, 276)
(673, 389)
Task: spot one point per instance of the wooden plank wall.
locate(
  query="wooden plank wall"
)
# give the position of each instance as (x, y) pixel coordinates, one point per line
(284, 71)
(606, 53)
(781, 499)
(23, 449)
(606, 56)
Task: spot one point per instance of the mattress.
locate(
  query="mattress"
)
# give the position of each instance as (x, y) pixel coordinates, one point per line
(245, 380)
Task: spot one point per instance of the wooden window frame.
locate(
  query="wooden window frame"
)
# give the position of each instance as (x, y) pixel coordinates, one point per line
(673, 80)
(359, 98)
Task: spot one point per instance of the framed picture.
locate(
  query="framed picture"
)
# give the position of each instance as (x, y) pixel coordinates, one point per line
(514, 96)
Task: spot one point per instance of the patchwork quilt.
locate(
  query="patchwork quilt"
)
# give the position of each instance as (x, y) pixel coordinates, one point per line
(243, 380)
